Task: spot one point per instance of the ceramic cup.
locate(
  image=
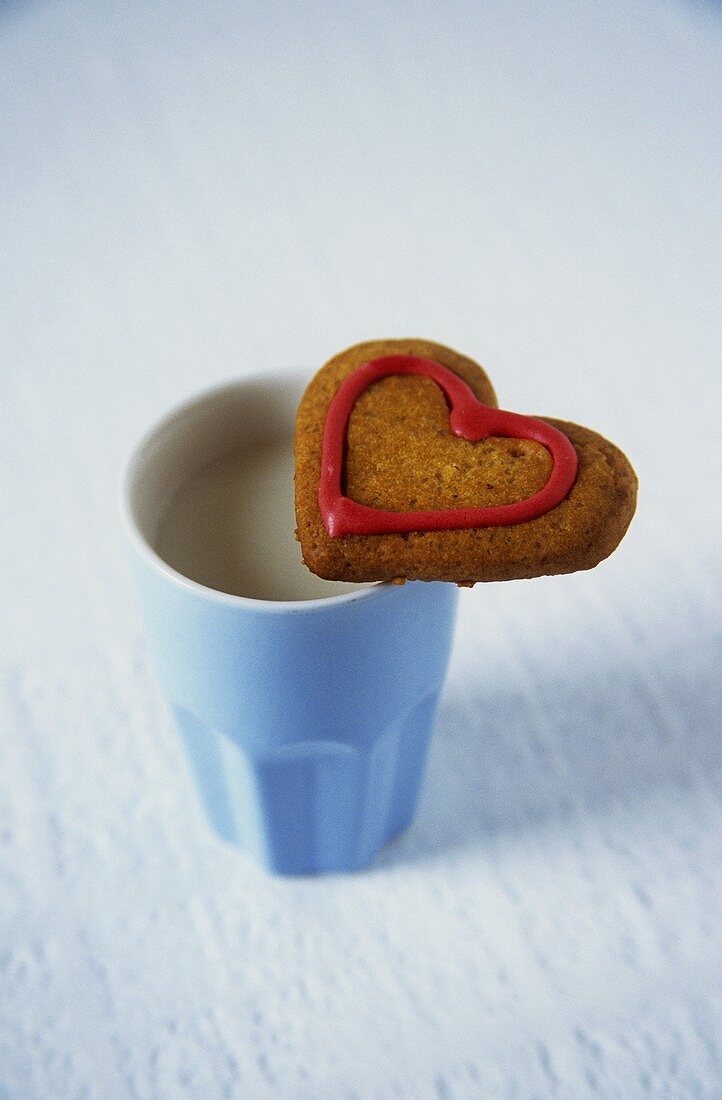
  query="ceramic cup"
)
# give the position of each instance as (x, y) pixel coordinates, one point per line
(306, 723)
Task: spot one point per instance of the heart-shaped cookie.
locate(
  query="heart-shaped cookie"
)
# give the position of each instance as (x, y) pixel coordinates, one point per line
(469, 418)
(406, 468)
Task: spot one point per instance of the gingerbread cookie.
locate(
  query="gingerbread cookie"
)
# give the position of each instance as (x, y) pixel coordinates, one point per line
(407, 469)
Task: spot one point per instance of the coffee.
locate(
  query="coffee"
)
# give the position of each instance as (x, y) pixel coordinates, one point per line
(231, 525)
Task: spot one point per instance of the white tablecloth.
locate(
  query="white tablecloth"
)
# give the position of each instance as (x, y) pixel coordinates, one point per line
(192, 191)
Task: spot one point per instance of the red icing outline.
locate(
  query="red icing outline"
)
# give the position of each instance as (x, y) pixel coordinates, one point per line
(470, 419)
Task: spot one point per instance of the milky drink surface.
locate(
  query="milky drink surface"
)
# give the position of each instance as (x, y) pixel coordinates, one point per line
(231, 526)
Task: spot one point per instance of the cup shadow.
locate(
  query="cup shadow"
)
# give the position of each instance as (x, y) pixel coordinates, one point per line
(507, 761)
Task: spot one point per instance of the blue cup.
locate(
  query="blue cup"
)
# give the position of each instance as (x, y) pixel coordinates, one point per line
(306, 722)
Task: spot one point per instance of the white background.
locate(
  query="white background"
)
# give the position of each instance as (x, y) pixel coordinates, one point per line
(192, 191)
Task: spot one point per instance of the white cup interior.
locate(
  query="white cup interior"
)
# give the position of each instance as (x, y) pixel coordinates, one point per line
(242, 415)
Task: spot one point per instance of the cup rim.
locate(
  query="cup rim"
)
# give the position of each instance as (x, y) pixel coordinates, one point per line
(146, 551)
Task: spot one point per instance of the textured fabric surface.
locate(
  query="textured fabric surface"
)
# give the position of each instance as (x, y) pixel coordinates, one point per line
(192, 191)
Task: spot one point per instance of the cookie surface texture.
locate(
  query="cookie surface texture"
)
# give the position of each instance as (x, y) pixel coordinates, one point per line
(401, 455)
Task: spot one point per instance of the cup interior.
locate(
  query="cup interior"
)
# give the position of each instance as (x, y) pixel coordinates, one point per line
(247, 415)
(243, 414)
